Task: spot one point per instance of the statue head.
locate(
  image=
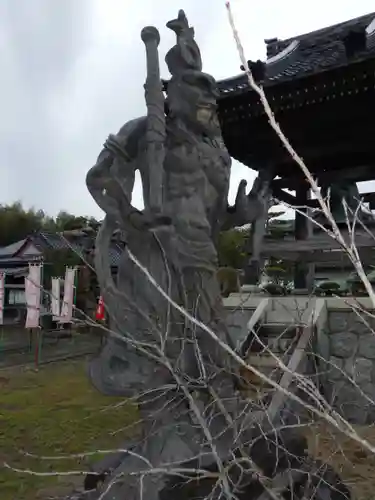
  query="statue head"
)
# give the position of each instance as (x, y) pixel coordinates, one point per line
(185, 55)
(191, 94)
(192, 98)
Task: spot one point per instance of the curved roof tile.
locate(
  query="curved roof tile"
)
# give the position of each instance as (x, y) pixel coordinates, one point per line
(307, 54)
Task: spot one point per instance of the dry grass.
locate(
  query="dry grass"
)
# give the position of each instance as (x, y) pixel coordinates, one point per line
(355, 465)
(50, 412)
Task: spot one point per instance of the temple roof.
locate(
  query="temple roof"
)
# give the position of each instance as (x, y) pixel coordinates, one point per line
(325, 49)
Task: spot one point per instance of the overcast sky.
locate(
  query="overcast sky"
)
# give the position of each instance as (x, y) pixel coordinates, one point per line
(72, 71)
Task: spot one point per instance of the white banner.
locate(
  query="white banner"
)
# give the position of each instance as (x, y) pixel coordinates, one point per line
(55, 299)
(67, 306)
(33, 295)
(2, 293)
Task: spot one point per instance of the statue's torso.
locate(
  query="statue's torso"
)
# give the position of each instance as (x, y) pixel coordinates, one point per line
(197, 181)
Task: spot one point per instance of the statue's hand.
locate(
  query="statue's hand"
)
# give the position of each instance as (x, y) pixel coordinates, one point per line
(247, 206)
(145, 220)
(241, 197)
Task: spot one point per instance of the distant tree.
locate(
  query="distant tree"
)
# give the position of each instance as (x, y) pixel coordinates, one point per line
(67, 222)
(233, 245)
(56, 261)
(231, 248)
(16, 222)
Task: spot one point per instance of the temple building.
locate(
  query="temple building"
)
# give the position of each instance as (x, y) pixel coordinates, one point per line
(321, 88)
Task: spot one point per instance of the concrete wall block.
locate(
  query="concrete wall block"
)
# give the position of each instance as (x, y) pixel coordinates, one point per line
(273, 344)
(238, 317)
(285, 343)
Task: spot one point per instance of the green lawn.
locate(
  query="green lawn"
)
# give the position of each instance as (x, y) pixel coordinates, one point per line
(55, 411)
(51, 412)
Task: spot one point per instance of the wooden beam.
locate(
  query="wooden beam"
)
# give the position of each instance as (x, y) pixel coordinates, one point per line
(357, 174)
(279, 398)
(291, 200)
(281, 195)
(367, 256)
(258, 314)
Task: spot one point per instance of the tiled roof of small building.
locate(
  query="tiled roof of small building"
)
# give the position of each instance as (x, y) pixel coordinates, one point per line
(58, 241)
(311, 53)
(12, 249)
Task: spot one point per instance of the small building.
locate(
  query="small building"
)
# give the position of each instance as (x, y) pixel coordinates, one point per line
(14, 261)
(39, 247)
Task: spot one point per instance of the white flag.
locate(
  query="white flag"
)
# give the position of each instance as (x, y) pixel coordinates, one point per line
(67, 306)
(55, 299)
(33, 294)
(2, 292)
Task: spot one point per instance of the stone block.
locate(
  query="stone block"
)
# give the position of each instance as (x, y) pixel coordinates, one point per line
(354, 413)
(332, 390)
(359, 369)
(363, 326)
(343, 344)
(340, 321)
(369, 390)
(364, 320)
(351, 404)
(334, 368)
(366, 346)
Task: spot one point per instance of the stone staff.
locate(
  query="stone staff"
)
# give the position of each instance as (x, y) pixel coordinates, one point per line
(156, 129)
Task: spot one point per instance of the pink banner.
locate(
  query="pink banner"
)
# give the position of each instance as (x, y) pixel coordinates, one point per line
(33, 295)
(2, 292)
(67, 306)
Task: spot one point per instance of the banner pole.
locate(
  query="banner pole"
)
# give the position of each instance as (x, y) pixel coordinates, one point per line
(2, 341)
(41, 301)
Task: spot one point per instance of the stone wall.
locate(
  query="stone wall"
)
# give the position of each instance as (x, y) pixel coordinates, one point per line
(343, 340)
(349, 346)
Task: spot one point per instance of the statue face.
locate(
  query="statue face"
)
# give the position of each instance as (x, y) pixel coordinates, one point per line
(207, 118)
(193, 99)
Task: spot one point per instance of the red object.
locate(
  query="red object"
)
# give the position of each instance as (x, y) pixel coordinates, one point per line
(100, 313)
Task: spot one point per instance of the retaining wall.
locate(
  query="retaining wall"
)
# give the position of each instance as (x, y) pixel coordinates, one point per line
(343, 349)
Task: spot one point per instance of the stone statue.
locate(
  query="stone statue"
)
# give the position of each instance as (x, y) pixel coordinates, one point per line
(185, 170)
(174, 368)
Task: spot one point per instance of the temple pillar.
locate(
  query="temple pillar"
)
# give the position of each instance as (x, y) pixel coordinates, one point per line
(303, 272)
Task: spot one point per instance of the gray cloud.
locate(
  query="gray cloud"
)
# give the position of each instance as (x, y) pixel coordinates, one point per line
(72, 71)
(41, 41)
